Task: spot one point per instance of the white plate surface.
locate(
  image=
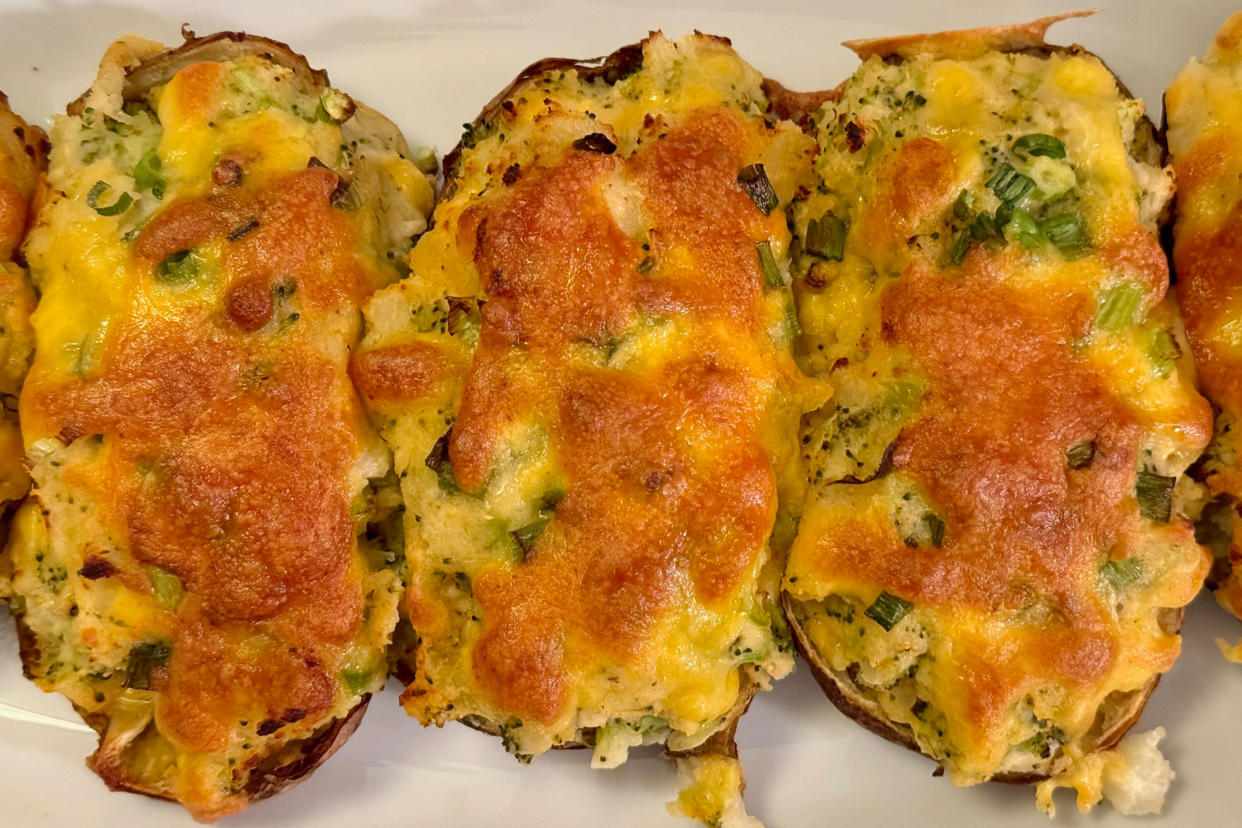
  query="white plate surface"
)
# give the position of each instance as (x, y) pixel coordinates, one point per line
(430, 66)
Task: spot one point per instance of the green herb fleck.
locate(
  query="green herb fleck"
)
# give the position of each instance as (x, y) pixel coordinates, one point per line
(1080, 455)
(1121, 574)
(1038, 143)
(888, 609)
(771, 273)
(122, 203)
(1155, 495)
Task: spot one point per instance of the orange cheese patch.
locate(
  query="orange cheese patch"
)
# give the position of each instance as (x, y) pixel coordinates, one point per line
(670, 495)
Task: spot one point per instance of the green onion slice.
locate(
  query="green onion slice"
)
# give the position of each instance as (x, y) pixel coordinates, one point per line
(1039, 143)
(888, 609)
(986, 229)
(526, 536)
(1117, 306)
(1068, 231)
(115, 208)
(963, 207)
(1080, 455)
(144, 657)
(1122, 573)
(961, 246)
(825, 238)
(179, 268)
(147, 176)
(771, 273)
(755, 182)
(165, 585)
(1155, 495)
(1164, 351)
(1027, 230)
(1010, 185)
(935, 528)
(438, 461)
(356, 680)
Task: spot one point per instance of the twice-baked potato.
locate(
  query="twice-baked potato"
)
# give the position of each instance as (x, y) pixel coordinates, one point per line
(996, 548)
(588, 386)
(201, 567)
(23, 155)
(1203, 109)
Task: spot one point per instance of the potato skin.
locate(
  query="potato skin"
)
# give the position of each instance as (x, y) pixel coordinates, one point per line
(135, 67)
(854, 704)
(1148, 145)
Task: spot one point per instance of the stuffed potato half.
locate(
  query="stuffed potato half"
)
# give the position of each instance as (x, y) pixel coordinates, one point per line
(994, 555)
(588, 387)
(1203, 110)
(23, 155)
(202, 566)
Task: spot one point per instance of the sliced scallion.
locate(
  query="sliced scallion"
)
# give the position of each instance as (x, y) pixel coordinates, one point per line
(1117, 305)
(1027, 230)
(1010, 185)
(122, 203)
(935, 528)
(1164, 351)
(985, 229)
(178, 269)
(356, 680)
(1121, 574)
(144, 657)
(961, 246)
(526, 536)
(1039, 143)
(1154, 493)
(1068, 231)
(147, 176)
(165, 585)
(963, 207)
(438, 461)
(825, 238)
(755, 182)
(888, 609)
(551, 498)
(771, 273)
(1080, 455)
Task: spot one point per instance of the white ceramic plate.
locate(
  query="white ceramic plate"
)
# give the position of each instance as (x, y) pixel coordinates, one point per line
(430, 66)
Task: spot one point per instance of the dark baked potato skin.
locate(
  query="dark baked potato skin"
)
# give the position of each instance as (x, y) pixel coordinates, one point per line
(1146, 146)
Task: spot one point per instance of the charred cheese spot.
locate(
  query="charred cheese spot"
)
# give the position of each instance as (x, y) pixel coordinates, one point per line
(994, 316)
(205, 556)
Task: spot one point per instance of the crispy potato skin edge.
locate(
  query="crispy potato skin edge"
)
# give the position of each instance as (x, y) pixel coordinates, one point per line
(1149, 146)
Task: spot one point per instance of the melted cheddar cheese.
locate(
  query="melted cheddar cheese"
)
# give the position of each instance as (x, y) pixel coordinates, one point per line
(588, 387)
(22, 157)
(995, 549)
(200, 568)
(1204, 110)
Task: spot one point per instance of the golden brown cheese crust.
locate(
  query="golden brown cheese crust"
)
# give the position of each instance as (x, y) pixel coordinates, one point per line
(988, 370)
(23, 156)
(642, 515)
(210, 430)
(1203, 113)
(590, 315)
